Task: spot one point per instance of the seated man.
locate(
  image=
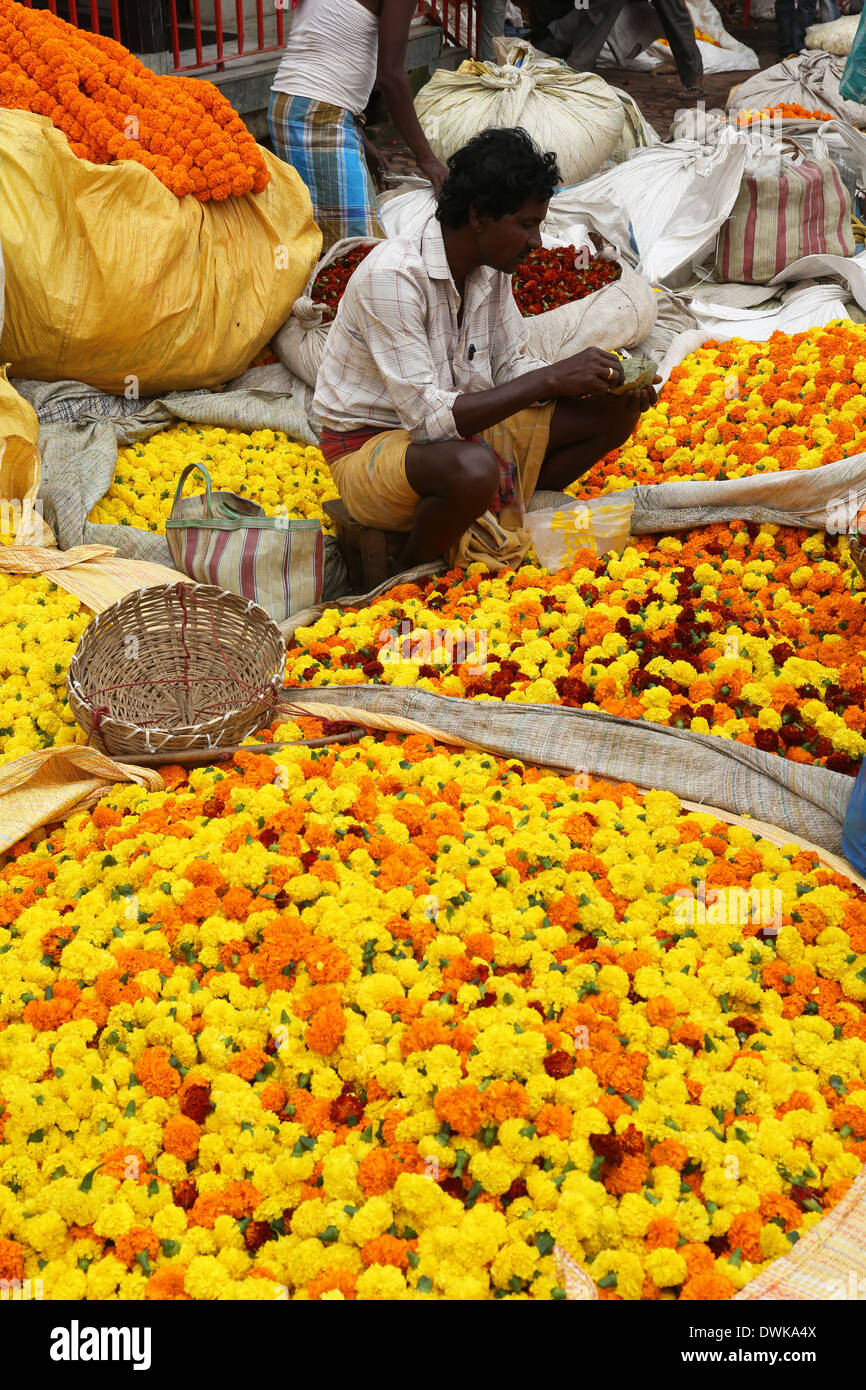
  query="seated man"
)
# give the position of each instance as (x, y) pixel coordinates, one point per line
(434, 412)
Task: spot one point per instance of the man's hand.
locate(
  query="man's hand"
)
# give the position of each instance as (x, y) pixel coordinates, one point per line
(645, 397)
(375, 162)
(589, 373)
(435, 172)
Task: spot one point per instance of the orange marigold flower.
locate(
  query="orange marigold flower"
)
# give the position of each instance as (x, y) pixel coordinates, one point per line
(180, 1136)
(248, 1063)
(669, 1153)
(461, 1107)
(377, 1172)
(167, 1283)
(139, 1240)
(156, 1074)
(342, 1280)
(660, 1012)
(387, 1250)
(11, 1259)
(711, 1286)
(554, 1119)
(325, 1029)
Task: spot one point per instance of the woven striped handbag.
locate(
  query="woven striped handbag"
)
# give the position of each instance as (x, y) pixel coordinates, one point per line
(802, 208)
(221, 538)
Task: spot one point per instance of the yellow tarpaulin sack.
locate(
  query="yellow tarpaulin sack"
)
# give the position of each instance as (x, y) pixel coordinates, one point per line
(114, 281)
(20, 467)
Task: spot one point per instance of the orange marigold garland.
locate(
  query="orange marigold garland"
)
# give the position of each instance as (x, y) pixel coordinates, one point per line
(111, 107)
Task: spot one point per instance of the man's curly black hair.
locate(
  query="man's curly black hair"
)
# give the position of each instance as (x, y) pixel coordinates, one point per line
(496, 172)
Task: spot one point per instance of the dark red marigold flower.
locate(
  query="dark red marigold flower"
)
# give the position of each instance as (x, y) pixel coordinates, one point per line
(196, 1104)
(559, 1064)
(185, 1194)
(256, 1233)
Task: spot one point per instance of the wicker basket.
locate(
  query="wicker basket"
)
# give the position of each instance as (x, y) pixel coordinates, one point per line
(174, 668)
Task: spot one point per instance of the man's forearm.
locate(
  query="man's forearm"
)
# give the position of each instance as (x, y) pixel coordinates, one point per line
(394, 87)
(480, 409)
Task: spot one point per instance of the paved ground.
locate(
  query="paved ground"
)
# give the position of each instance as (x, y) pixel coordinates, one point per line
(656, 96)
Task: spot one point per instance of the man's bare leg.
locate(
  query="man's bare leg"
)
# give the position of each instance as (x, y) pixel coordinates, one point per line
(583, 431)
(456, 481)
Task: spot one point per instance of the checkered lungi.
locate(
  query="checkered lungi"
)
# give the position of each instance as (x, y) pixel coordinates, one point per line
(322, 142)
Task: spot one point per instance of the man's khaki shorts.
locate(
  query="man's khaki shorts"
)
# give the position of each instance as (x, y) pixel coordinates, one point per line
(372, 480)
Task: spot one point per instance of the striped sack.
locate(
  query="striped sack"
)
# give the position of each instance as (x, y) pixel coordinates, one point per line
(221, 538)
(802, 209)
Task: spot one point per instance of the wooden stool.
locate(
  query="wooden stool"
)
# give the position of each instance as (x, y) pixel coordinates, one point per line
(367, 551)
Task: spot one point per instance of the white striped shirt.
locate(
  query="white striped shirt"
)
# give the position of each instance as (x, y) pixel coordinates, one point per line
(395, 356)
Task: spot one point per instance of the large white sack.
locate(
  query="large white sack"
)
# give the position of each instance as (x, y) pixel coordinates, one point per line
(637, 133)
(661, 209)
(835, 37)
(575, 114)
(300, 342)
(727, 54)
(405, 210)
(809, 306)
(616, 316)
(809, 79)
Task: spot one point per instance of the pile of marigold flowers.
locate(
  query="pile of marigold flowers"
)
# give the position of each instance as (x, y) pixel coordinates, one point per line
(548, 279)
(733, 409)
(111, 107)
(40, 626)
(750, 632)
(283, 476)
(787, 111)
(392, 1021)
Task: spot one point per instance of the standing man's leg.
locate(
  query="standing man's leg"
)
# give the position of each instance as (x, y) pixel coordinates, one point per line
(785, 27)
(680, 34)
(581, 35)
(807, 14)
(492, 27)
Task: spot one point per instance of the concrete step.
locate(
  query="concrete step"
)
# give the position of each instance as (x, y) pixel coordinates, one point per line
(450, 58)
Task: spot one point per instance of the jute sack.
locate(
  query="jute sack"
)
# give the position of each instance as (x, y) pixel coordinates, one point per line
(786, 208)
(616, 316)
(300, 342)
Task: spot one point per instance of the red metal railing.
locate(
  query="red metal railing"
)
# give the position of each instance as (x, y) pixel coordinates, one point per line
(215, 33)
(83, 15)
(460, 20)
(226, 46)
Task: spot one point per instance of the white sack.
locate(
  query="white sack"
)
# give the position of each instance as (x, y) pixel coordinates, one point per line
(810, 80)
(406, 209)
(576, 114)
(616, 316)
(835, 37)
(813, 306)
(726, 55)
(663, 208)
(637, 133)
(301, 341)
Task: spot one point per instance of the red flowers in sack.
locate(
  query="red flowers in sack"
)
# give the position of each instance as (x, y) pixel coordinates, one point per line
(550, 278)
(332, 281)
